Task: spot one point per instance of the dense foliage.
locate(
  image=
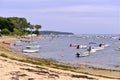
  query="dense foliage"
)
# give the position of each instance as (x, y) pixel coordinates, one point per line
(16, 25)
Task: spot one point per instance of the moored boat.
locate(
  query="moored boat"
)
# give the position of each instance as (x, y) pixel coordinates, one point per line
(78, 46)
(74, 45)
(18, 43)
(98, 48)
(33, 46)
(82, 54)
(30, 50)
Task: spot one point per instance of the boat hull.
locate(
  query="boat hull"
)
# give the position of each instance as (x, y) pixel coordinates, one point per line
(30, 51)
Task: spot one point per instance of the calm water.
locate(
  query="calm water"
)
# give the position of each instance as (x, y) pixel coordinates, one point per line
(58, 48)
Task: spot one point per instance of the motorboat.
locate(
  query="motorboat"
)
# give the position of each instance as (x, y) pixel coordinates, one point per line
(98, 48)
(30, 50)
(92, 51)
(74, 45)
(78, 46)
(83, 46)
(18, 43)
(82, 54)
(105, 45)
(33, 46)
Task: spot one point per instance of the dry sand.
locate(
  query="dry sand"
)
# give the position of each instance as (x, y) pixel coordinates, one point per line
(14, 70)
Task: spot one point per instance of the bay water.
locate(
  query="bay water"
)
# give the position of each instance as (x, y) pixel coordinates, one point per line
(58, 48)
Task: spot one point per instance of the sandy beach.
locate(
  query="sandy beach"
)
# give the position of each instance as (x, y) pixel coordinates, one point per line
(15, 70)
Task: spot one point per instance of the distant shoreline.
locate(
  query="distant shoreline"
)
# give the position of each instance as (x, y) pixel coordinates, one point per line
(87, 70)
(55, 33)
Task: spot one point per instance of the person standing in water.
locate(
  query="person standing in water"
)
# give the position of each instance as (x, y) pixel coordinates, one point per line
(89, 49)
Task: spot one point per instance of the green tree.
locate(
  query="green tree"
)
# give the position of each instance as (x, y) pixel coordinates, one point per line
(18, 32)
(31, 27)
(37, 29)
(4, 23)
(20, 24)
(5, 31)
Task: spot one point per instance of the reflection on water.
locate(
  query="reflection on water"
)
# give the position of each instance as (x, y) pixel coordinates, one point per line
(58, 48)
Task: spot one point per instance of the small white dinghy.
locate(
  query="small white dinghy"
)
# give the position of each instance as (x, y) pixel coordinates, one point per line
(83, 54)
(30, 50)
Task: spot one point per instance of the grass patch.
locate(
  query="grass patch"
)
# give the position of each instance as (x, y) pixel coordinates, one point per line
(98, 68)
(3, 55)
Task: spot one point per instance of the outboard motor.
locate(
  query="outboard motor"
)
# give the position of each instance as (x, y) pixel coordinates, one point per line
(78, 47)
(77, 54)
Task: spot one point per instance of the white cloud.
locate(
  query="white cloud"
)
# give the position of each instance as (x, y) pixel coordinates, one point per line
(81, 8)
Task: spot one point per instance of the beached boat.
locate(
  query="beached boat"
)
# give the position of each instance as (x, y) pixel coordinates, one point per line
(8, 43)
(30, 50)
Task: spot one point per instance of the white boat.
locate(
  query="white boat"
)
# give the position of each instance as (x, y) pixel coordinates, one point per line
(93, 51)
(83, 54)
(33, 46)
(83, 46)
(87, 53)
(30, 50)
(18, 43)
(98, 48)
(105, 45)
(115, 37)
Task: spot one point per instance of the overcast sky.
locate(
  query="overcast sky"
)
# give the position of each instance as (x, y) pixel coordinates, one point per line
(77, 16)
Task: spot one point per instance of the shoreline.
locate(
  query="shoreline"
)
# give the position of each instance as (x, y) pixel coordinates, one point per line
(85, 71)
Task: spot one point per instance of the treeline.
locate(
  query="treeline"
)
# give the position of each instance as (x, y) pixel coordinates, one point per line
(55, 33)
(17, 26)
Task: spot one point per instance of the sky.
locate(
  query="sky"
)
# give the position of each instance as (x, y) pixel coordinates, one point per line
(76, 16)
